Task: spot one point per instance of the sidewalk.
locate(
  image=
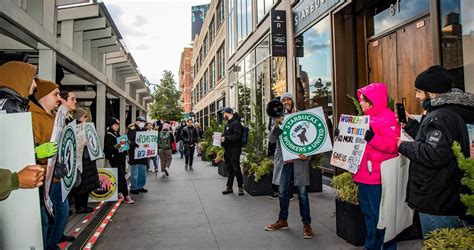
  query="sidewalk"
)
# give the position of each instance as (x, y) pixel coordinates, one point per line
(188, 211)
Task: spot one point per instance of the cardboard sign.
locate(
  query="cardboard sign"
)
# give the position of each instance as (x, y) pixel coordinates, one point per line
(349, 145)
(305, 133)
(93, 144)
(216, 139)
(147, 144)
(124, 144)
(108, 190)
(67, 154)
(20, 217)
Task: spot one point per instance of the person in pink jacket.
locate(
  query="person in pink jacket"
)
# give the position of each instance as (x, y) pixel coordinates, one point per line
(381, 145)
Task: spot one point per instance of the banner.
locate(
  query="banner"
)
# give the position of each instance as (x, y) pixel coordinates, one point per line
(59, 123)
(349, 145)
(93, 144)
(108, 186)
(67, 154)
(124, 144)
(147, 144)
(216, 139)
(20, 217)
(305, 133)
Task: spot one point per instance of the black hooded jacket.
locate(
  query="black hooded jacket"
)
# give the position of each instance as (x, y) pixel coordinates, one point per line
(233, 134)
(12, 102)
(116, 159)
(434, 182)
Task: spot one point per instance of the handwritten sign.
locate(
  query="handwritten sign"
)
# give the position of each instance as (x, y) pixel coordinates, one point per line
(349, 145)
(147, 144)
(216, 139)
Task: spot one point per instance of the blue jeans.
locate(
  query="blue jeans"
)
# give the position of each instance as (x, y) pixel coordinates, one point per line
(369, 198)
(284, 196)
(181, 149)
(431, 222)
(138, 176)
(155, 163)
(53, 228)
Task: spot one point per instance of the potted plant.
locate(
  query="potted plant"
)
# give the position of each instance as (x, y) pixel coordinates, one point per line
(203, 147)
(219, 160)
(315, 174)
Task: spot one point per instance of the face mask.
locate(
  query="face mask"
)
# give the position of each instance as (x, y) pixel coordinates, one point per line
(141, 125)
(426, 104)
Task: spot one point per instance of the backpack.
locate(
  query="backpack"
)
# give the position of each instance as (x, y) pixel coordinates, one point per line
(245, 136)
(164, 140)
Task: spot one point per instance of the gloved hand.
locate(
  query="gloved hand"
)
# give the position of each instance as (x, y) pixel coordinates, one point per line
(336, 132)
(46, 150)
(369, 135)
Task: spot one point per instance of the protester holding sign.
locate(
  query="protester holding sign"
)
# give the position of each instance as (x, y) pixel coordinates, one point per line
(381, 145)
(138, 165)
(281, 176)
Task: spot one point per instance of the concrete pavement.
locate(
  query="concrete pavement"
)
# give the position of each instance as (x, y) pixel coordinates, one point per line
(188, 211)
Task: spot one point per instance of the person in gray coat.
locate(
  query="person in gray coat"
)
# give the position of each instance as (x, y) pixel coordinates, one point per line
(282, 172)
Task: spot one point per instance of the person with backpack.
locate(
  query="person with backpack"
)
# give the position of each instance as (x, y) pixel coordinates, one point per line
(189, 136)
(232, 141)
(165, 138)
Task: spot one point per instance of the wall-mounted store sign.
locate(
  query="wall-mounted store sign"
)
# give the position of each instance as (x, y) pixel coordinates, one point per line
(278, 32)
(309, 10)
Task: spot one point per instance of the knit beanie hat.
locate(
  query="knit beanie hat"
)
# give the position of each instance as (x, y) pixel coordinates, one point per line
(112, 121)
(79, 113)
(435, 80)
(44, 87)
(17, 76)
(287, 95)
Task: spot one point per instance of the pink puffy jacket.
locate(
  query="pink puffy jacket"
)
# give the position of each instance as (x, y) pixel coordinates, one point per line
(386, 129)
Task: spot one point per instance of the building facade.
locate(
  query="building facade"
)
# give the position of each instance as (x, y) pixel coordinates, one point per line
(185, 79)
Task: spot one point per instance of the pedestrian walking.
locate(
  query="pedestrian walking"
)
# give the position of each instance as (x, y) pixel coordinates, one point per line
(138, 166)
(189, 136)
(200, 134)
(434, 184)
(179, 141)
(165, 138)
(231, 141)
(282, 173)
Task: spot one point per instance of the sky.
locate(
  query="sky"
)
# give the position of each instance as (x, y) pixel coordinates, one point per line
(155, 32)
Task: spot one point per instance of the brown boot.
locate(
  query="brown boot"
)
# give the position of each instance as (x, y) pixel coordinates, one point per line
(279, 224)
(307, 231)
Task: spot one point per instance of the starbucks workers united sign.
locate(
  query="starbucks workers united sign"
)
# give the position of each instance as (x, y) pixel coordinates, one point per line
(305, 133)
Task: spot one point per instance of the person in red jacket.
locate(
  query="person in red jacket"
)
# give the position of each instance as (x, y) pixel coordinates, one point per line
(382, 138)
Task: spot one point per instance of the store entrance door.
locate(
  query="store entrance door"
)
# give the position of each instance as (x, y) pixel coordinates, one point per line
(397, 58)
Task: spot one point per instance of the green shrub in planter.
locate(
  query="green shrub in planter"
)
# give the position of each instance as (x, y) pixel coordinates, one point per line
(450, 238)
(346, 189)
(467, 165)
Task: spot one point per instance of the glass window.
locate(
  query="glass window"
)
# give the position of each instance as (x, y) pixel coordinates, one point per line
(205, 47)
(387, 14)
(212, 78)
(262, 84)
(250, 60)
(457, 41)
(244, 99)
(244, 19)
(231, 26)
(262, 50)
(260, 10)
(279, 77)
(212, 32)
(205, 83)
(314, 71)
(220, 13)
(221, 62)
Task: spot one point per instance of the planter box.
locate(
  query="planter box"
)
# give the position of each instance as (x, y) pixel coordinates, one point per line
(412, 232)
(350, 224)
(222, 169)
(316, 180)
(263, 187)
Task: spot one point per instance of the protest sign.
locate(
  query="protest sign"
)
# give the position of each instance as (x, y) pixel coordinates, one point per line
(20, 219)
(349, 145)
(124, 144)
(93, 145)
(216, 139)
(305, 133)
(147, 144)
(107, 191)
(67, 154)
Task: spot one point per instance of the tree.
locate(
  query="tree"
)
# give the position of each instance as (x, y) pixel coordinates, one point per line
(165, 99)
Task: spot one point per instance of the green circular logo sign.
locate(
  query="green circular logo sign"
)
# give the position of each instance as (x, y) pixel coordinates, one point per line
(303, 133)
(68, 156)
(92, 138)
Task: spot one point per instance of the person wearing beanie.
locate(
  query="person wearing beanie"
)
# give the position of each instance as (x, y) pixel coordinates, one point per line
(434, 183)
(138, 166)
(282, 173)
(165, 140)
(17, 82)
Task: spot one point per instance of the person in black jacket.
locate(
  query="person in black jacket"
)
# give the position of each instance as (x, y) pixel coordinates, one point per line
(189, 136)
(138, 166)
(117, 158)
(179, 141)
(232, 142)
(434, 183)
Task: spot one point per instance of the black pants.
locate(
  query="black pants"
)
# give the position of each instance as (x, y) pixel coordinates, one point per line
(232, 161)
(81, 200)
(189, 154)
(122, 181)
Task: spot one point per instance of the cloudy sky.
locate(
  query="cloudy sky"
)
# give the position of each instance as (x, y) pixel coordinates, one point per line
(155, 32)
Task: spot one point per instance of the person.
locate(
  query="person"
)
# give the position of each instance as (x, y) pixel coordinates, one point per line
(31, 176)
(381, 145)
(190, 137)
(138, 165)
(434, 183)
(154, 159)
(165, 138)
(68, 99)
(282, 173)
(231, 141)
(117, 158)
(89, 175)
(179, 140)
(200, 134)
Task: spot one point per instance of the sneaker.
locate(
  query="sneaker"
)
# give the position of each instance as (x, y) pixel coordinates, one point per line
(275, 195)
(142, 190)
(186, 167)
(120, 196)
(241, 191)
(279, 224)
(134, 191)
(307, 231)
(68, 238)
(128, 200)
(228, 190)
(164, 175)
(191, 167)
(167, 171)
